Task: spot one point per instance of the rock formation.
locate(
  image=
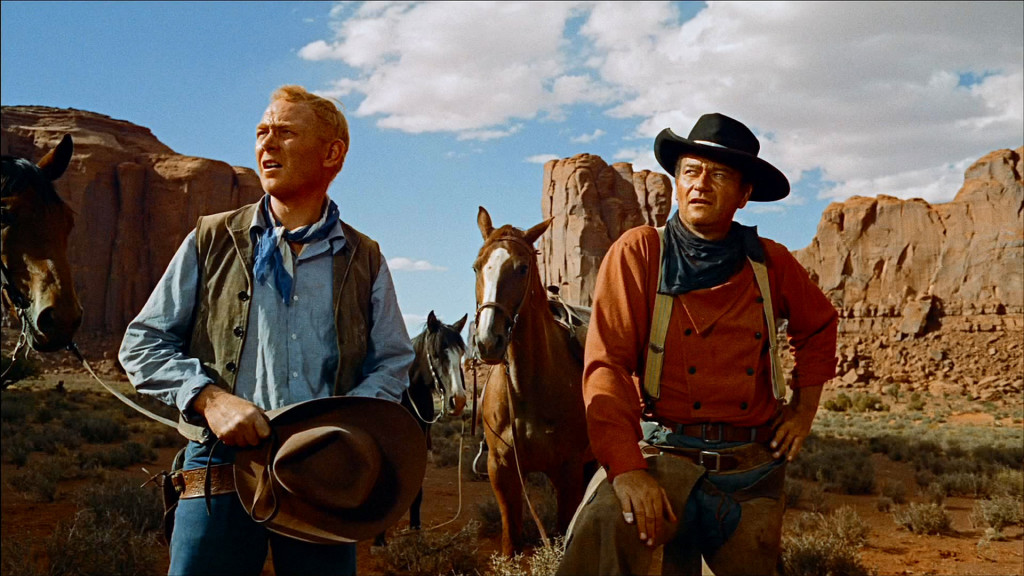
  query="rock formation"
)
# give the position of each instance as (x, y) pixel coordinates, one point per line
(134, 198)
(591, 204)
(884, 260)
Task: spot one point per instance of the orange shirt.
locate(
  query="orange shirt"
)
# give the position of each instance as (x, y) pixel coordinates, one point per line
(716, 367)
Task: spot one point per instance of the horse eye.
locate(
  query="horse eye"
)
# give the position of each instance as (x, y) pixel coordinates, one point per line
(523, 269)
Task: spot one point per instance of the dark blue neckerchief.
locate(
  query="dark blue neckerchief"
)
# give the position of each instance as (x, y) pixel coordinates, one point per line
(268, 260)
(691, 263)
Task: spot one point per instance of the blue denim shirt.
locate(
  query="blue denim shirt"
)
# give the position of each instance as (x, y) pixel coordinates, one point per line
(290, 352)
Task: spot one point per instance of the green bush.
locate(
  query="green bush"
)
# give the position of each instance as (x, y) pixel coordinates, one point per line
(916, 403)
(896, 491)
(841, 403)
(868, 403)
(923, 518)
(974, 485)
(840, 464)
(997, 513)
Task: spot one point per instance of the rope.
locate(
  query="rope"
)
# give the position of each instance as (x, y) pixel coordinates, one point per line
(73, 348)
(462, 435)
(515, 454)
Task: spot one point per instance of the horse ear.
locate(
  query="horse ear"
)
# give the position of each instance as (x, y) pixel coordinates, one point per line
(483, 220)
(432, 323)
(458, 326)
(56, 161)
(532, 234)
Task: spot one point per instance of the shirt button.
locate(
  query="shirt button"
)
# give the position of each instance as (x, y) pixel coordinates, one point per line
(231, 367)
(687, 332)
(295, 374)
(238, 331)
(295, 336)
(750, 371)
(243, 295)
(295, 298)
(760, 300)
(757, 335)
(692, 370)
(743, 405)
(696, 405)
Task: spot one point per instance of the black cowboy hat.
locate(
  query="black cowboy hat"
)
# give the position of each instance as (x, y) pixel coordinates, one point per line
(722, 139)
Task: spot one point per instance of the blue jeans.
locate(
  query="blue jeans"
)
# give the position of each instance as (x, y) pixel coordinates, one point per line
(228, 541)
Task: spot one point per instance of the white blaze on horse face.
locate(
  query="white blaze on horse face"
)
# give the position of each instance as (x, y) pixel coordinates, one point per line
(491, 272)
(457, 390)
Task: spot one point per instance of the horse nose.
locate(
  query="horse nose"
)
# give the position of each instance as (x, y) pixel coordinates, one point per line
(491, 345)
(59, 323)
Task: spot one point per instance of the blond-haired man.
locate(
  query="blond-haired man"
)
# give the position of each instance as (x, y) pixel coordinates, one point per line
(272, 304)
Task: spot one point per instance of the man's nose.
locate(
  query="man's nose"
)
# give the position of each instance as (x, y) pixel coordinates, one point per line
(704, 181)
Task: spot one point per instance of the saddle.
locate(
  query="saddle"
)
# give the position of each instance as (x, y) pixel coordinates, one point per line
(575, 320)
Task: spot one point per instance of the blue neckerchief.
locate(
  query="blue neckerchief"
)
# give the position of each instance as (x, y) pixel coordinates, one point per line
(273, 241)
(692, 263)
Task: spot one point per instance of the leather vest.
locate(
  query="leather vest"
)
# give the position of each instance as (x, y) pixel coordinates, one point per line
(221, 314)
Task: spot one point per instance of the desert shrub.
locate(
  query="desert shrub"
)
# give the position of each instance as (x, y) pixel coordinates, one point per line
(15, 406)
(868, 403)
(96, 428)
(543, 562)
(1008, 482)
(542, 494)
(120, 456)
(445, 450)
(141, 507)
(52, 437)
(897, 448)
(19, 557)
(997, 513)
(894, 391)
(166, 437)
(916, 402)
(884, 504)
(488, 517)
(427, 553)
(841, 403)
(923, 518)
(90, 546)
(1008, 456)
(840, 464)
(816, 499)
(16, 449)
(793, 490)
(23, 368)
(896, 491)
(974, 485)
(820, 548)
(39, 480)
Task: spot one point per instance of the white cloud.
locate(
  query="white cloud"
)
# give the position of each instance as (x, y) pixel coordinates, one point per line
(869, 94)
(588, 138)
(540, 158)
(408, 264)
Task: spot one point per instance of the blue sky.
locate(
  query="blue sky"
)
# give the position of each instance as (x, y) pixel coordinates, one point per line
(457, 105)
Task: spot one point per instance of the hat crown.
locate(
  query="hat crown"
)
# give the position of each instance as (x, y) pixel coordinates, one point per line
(721, 130)
(348, 458)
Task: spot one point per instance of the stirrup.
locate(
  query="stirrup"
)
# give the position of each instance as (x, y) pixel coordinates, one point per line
(481, 452)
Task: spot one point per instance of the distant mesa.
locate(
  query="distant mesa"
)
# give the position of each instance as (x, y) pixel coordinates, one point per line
(135, 200)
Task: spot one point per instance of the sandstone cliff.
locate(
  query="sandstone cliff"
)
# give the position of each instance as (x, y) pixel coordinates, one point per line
(960, 262)
(591, 204)
(135, 200)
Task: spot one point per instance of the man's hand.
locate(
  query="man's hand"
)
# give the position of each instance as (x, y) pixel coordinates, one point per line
(236, 421)
(793, 424)
(645, 502)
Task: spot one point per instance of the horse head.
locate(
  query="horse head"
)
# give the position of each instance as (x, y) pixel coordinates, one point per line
(35, 225)
(506, 272)
(444, 349)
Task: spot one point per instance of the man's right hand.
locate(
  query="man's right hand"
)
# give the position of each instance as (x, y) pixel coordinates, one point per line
(236, 421)
(644, 502)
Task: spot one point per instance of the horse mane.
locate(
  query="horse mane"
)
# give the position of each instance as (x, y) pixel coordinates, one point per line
(443, 339)
(20, 173)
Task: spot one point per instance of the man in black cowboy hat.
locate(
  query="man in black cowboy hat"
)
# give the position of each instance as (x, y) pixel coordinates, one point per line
(685, 396)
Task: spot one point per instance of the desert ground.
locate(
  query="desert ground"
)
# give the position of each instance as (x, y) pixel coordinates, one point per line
(893, 483)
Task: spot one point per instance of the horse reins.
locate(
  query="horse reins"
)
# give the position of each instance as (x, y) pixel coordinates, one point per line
(433, 391)
(21, 304)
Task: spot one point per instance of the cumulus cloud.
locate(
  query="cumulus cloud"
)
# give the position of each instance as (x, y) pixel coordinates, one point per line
(588, 138)
(540, 158)
(410, 265)
(883, 98)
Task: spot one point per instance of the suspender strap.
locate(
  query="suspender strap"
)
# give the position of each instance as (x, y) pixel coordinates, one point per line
(778, 379)
(659, 328)
(656, 345)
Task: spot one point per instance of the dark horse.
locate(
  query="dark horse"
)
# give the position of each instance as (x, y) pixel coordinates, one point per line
(36, 223)
(532, 408)
(437, 370)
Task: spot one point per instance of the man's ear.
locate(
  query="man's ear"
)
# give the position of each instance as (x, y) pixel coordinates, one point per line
(336, 152)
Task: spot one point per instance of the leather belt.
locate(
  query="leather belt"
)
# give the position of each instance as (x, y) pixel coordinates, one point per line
(721, 432)
(222, 481)
(725, 460)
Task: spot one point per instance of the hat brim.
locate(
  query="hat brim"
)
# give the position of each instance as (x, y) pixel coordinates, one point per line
(769, 182)
(404, 462)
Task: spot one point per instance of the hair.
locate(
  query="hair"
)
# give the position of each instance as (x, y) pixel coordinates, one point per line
(335, 124)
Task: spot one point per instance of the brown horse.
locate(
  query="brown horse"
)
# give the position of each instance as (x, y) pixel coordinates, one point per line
(36, 223)
(532, 408)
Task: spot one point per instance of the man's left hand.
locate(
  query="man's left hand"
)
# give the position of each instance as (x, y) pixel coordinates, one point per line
(793, 424)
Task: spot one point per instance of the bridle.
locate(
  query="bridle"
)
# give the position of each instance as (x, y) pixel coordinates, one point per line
(21, 304)
(437, 388)
(511, 317)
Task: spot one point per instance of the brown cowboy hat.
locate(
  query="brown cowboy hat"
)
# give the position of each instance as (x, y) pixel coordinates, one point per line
(722, 139)
(335, 470)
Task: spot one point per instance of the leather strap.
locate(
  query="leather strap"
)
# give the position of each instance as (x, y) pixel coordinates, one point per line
(721, 432)
(221, 481)
(740, 458)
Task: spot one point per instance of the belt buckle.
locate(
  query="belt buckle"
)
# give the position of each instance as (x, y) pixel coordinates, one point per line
(717, 456)
(704, 432)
